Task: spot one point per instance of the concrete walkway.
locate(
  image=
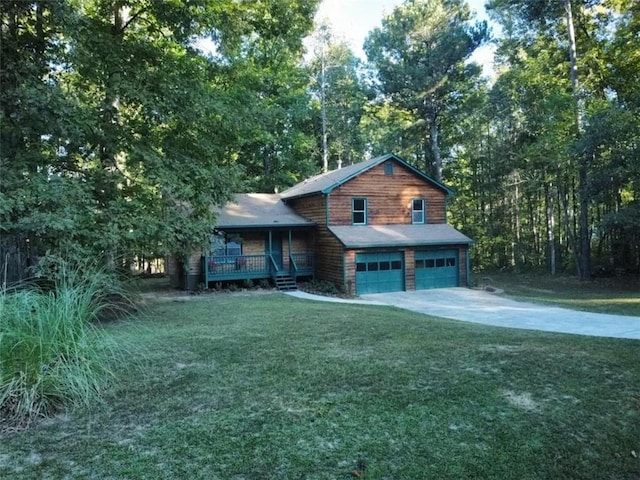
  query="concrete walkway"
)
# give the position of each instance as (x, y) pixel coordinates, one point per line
(489, 309)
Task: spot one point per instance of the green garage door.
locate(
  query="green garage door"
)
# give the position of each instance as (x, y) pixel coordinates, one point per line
(379, 272)
(436, 269)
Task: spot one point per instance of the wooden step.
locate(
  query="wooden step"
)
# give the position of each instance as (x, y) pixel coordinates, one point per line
(285, 283)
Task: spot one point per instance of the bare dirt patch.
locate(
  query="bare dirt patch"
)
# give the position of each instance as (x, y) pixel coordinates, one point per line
(522, 400)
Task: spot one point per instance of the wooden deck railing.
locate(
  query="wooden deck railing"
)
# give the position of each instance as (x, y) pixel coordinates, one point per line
(233, 267)
(241, 267)
(301, 264)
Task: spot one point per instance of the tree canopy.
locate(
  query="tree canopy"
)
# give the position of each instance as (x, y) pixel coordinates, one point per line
(119, 131)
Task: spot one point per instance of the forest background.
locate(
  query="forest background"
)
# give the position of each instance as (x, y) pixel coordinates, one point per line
(117, 133)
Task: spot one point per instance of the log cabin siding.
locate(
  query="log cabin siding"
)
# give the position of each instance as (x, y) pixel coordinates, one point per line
(312, 207)
(330, 257)
(301, 243)
(350, 271)
(253, 243)
(328, 249)
(410, 269)
(388, 198)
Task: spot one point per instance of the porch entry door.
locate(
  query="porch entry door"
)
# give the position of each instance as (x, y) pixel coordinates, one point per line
(274, 248)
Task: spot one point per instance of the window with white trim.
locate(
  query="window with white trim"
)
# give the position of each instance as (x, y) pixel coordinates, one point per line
(418, 211)
(359, 211)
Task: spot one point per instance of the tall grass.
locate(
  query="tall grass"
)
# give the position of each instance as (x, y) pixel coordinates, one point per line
(52, 352)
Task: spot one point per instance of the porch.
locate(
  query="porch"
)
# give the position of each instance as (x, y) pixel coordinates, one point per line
(218, 268)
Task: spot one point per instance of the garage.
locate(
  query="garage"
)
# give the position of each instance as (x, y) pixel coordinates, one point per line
(436, 269)
(379, 272)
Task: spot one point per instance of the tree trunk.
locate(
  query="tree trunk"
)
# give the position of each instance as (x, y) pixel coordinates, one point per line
(435, 150)
(584, 269)
(550, 221)
(323, 106)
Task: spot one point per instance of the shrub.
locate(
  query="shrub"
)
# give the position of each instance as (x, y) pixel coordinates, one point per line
(52, 353)
(324, 287)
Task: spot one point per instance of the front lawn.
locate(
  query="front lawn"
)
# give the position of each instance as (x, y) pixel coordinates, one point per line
(268, 386)
(614, 295)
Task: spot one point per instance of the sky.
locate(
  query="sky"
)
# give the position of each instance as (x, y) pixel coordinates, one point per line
(352, 20)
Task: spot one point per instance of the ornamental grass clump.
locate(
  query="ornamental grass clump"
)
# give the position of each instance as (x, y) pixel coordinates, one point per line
(52, 351)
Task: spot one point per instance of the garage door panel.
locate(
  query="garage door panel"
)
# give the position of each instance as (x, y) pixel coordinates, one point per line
(436, 269)
(379, 272)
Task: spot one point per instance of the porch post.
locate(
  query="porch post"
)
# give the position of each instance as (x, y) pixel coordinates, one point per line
(289, 252)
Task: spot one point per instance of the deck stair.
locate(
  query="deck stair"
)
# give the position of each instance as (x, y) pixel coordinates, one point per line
(285, 283)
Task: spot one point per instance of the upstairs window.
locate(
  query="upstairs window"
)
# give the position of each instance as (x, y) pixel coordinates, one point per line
(388, 167)
(359, 211)
(417, 211)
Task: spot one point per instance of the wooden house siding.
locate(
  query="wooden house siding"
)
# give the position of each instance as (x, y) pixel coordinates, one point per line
(252, 243)
(350, 271)
(388, 197)
(328, 249)
(312, 207)
(301, 244)
(409, 269)
(330, 255)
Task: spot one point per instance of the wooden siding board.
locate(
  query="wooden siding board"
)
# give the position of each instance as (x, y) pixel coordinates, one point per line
(388, 198)
(328, 249)
(312, 207)
(409, 269)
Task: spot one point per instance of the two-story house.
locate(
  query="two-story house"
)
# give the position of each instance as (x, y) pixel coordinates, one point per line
(375, 226)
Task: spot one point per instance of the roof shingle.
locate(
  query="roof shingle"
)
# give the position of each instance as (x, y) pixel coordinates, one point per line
(258, 210)
(371, 236)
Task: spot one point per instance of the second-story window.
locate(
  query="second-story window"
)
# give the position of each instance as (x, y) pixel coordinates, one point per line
(359, 211)
(417, 211)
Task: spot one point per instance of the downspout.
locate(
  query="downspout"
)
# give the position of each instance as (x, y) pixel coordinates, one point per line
(326, 210)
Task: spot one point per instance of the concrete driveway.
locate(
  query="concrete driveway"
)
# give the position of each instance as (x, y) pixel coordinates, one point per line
(489, 309)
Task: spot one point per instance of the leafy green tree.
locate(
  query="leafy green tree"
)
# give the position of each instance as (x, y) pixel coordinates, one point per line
(340, 96)
(276, 145)
(118, 133)
(421, 54)
(554, 94)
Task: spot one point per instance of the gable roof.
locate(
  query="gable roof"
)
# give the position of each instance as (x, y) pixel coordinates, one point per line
(326, 182)
(371, 236)
(254, 210)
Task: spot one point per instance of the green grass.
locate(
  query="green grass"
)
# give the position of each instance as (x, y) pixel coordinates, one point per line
(272, 387)
(615, 295)
(52, 354)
